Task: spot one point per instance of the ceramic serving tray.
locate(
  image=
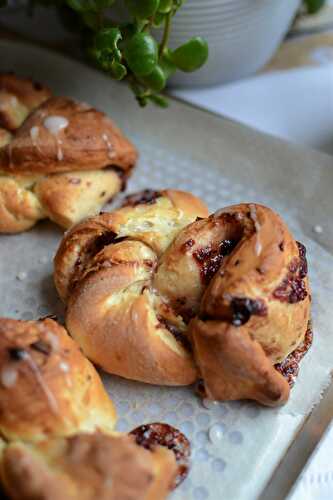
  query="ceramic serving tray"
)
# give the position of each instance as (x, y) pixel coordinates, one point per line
(241, 451)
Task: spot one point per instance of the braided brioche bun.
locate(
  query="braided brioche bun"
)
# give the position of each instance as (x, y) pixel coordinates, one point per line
(58, 158)
(47, 387)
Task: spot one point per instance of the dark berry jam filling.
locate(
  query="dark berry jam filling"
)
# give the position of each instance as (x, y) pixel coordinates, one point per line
(41, 347)
(243, 308)
(16, 353)
(210, 258)
(289, 368)
(178, 335)
(150, 435)
(147, 197)
(293, 287)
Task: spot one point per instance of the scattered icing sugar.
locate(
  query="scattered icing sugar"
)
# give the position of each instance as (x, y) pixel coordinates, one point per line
(34, 133)
(54, 124)
(318, 229)
(257, 227)
(64, 367)
(216, 433)
(209, 404)
(107, 141)
(21, 276)
(8, 376)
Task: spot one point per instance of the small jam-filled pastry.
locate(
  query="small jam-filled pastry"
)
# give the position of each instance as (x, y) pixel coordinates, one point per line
(159, 292)
(47, 387)
(254, 313)
(58, 158)
(105, 270)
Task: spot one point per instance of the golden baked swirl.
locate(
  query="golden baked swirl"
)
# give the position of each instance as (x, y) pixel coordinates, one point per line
(232, 287)
(105, 270)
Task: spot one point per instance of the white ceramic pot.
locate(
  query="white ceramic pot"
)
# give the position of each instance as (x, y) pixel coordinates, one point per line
(242, 36)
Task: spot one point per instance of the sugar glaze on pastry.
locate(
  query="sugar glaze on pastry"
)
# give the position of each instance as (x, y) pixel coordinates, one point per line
(227, 293)
(56, 426)
(58, 158)
(47, 386)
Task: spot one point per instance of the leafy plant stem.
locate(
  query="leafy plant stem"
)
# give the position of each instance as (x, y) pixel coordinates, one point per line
(166, 34)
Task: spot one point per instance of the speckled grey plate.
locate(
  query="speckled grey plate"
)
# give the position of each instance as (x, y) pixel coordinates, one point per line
(236, 446)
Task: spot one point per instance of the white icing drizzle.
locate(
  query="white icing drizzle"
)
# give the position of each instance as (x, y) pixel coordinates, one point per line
(257, 227)
(54, 124)
(53, 341)
(13, 101)
(64, 367)
(8, 376)
(111, 153)
(84, 106)
(60, 154)
(34, 134)
(41, 382)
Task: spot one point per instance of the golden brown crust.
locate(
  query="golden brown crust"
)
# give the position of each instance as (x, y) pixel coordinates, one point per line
(240, 270)
(255, 309)
(234, 366)
(107, 283)
(47, 387)
(86, 140)
(5, 137)
(76, 155)
(18, 97)
(70, 197)
(87, 467)
(20, 208)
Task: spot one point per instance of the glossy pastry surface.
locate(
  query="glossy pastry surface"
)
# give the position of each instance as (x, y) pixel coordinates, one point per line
(59, 158)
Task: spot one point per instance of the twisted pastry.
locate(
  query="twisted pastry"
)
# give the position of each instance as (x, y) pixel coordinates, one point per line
(58, 158)
(86, 467)
(53, 408)
(233, 284)
(105, 270)
(47, 387)
(249, 295)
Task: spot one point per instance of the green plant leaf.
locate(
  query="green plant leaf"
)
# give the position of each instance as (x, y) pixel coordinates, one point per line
(156, 80)
(142, 9)
(167, 64)
(117, 70)
(313, 6)
(165, 6)
(141, 54)
(159, 100)
(158, 19)
(191, 55)
(106, 43)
